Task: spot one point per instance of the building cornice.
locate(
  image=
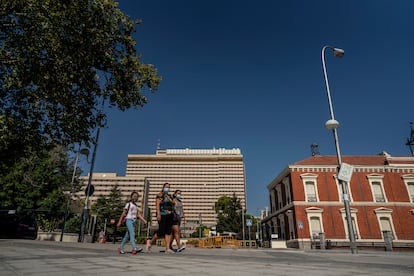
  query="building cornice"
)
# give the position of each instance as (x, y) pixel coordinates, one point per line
(278, 179)
(363, 169)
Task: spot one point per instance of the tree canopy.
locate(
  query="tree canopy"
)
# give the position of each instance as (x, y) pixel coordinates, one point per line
(37, 182)
(229, 215)
(108, 207)
(60, 60)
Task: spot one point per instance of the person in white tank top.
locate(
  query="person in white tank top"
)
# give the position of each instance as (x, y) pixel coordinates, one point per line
(130, 214)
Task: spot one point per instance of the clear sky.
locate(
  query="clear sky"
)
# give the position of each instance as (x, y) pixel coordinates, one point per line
(248, 75)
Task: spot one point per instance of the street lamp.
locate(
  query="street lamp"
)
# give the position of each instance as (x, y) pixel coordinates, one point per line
(89, 190)
(242, 211)
(333, 125)
(200, 222)
(84, 152)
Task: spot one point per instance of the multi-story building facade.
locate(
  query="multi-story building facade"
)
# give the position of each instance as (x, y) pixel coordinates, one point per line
(103, 182)
(306, 200)
(203, 176)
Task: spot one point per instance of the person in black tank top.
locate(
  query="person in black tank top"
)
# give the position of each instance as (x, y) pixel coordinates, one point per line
(165, 207)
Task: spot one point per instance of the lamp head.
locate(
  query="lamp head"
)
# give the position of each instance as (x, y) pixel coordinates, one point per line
(332, 124)
(338, 52)
(84, 151)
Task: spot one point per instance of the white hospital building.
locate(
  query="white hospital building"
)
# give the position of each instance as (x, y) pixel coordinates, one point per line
(203, 176)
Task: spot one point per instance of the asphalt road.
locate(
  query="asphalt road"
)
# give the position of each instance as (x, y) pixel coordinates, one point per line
(26, 257)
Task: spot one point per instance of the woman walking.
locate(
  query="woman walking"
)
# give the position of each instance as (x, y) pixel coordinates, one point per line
(130, 214)
(178, 216)
(165, 209)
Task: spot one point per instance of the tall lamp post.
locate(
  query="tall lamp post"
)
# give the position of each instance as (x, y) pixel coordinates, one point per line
(243, 223)
(333, 125)
(83, 151)
(89, 191)
(90, 188)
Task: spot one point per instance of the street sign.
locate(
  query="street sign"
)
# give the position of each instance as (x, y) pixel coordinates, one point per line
(90, 190)
(345, 172)
(249, 222)
(300, 224)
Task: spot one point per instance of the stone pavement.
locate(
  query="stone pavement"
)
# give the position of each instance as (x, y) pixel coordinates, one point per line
(26, 257)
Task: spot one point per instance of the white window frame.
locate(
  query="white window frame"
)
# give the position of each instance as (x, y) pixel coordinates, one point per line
(385, 213)
(409, 180)
(354, 220)
(339, 186)
(377, 178)
(310, 178)
(314, 212)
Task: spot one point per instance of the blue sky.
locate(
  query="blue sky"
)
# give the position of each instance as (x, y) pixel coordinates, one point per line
(248, 75)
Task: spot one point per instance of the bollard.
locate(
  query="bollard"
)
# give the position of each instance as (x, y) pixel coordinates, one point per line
(322, 240)
(387, 240)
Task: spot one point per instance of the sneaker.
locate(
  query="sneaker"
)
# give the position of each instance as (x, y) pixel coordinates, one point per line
(181, 248)
(136, 250)
(169, 251)
(120, 251)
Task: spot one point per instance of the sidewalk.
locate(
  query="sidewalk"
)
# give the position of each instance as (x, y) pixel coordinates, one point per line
(26, 257)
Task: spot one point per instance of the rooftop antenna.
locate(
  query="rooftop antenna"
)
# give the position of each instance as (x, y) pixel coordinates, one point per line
(410, 141)
(158, 144)
(315, 149)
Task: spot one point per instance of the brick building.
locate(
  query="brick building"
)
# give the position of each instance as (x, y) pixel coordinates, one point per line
(306, 200)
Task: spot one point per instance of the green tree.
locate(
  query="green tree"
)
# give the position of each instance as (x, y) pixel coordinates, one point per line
(73, 224)
(228, 210)
(108, 208)
(59, 61)
(37, 181)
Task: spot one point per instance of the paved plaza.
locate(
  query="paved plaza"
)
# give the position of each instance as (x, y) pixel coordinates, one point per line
(26, 257)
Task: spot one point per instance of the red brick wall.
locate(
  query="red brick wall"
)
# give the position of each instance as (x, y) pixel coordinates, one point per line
(369, 228)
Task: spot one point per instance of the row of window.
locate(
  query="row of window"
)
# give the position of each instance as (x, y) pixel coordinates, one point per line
(183, 166)
(316, 223)
(377, 189)
(311, 190)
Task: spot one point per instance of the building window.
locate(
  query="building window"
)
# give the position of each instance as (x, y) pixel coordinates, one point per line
(310, 191)
(377, 191)
(315, 224)
(384, 217)
(310, 186)
(409, 182)
(315, 221)
(377, 188)
(355, 227)
(410, 187)
(341, 192)
(385, 225)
